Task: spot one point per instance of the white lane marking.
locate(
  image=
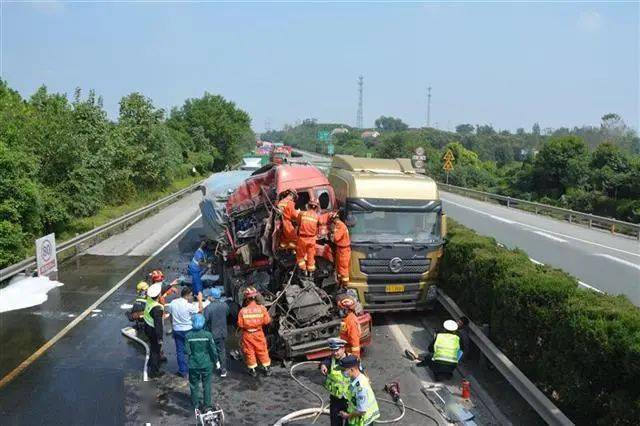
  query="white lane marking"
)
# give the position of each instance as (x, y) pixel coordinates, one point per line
(502, 219)
(551, 237)
(617, 259)
(401, 339)
(536, 262)
(45, 347)
(545, 230)
(585, 285)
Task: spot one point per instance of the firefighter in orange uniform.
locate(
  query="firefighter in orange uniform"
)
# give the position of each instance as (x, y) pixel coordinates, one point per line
(251, 319)
(307, 235)
(287, 208)
(339, 235)
(349, 328)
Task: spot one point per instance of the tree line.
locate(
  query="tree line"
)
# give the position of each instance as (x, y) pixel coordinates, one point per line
(63, 159)
(593, 169)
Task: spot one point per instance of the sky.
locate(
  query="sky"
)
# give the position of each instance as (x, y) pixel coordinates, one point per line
(505, 64)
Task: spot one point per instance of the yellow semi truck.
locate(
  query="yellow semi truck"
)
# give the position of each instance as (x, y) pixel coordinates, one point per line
(397, 230)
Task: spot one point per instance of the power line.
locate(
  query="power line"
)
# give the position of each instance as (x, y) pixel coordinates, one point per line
(359, 120)
(429, 106)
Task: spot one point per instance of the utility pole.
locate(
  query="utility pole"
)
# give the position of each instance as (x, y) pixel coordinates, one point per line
(429, 106)
(359, 120)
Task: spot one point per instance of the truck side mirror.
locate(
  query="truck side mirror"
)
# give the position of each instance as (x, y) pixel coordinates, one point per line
(443, 225)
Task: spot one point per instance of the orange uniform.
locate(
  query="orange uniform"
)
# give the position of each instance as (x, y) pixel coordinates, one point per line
(340, 236)
(350, 332)
(307, 235)
(288, 235)
(251, 319)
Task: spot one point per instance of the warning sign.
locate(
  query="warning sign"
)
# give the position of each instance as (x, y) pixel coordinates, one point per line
(448, 156)
(448, 166)
(46, 255)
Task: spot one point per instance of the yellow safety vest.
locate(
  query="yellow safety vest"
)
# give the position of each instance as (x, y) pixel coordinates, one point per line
(147, 311)
(446, 348)
(336, 383)
(356, 388)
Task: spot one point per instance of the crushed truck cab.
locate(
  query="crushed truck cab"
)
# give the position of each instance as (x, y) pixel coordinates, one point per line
(397, 230)
(303, 308)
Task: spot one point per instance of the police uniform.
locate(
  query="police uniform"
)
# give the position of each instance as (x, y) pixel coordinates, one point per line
(336, 384)
(361, 397)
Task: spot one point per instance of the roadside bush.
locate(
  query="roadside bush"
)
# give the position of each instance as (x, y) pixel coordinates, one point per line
(581, 348)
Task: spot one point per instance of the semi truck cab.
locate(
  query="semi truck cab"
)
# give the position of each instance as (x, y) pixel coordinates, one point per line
(397, 230)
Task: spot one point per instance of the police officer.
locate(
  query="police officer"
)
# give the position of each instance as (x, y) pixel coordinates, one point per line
(444, 351)
(335, 382)
(362, 407)
(153, 313)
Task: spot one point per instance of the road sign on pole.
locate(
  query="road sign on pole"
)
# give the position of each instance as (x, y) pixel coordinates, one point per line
(46, 258)
(448, 163)
(418, 160)
(324, 135)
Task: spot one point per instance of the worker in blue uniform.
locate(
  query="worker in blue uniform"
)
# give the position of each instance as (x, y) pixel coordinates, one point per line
(215, 315)
(198, 266)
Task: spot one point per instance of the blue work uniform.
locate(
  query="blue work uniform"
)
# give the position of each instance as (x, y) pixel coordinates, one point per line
(195, 270)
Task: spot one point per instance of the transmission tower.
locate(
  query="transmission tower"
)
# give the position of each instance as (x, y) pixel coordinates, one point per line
(359, 116)
(429, 106)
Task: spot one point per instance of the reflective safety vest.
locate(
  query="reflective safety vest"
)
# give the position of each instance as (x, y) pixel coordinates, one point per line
(446, 348)
(360, 388)
(147, 311)
(335, 382)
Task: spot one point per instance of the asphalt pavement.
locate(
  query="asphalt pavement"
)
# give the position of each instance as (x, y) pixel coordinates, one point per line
(599, 259)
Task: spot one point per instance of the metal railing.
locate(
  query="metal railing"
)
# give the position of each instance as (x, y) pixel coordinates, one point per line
(525, 387)
(572, 216)
(83, 241)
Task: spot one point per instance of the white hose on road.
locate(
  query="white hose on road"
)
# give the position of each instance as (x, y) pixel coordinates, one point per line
(130, 333)
(316, 412)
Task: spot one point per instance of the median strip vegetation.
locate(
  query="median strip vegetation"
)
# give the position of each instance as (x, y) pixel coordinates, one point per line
(580, 347)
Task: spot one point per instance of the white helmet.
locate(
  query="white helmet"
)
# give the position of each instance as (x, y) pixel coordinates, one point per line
(154, 290)
(449, 325)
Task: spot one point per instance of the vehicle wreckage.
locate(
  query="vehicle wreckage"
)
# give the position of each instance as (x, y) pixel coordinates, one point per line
(245, 225)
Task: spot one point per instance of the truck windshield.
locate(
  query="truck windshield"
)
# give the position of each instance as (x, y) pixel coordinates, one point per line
(384, 226)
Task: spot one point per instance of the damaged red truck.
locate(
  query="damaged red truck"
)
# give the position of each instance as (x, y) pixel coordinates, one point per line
(303, 309)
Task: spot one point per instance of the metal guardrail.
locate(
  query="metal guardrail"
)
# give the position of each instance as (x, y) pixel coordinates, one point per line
(571, 216)
(525, 387)
(79, 242)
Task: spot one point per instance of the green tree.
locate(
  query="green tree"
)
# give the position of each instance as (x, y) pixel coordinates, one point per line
(465, 129)
(561, 164)
(390, 124)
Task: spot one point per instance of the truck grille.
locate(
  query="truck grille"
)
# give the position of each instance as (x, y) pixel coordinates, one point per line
(394, 266)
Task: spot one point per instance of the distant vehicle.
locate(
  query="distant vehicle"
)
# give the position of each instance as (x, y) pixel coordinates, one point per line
(397, 230)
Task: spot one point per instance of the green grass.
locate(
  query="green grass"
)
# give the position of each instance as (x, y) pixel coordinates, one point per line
(109, 213)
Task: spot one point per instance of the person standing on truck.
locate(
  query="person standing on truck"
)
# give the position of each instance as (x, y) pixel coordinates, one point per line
(202, 353)
(251, 319)
(335, 382)
(197, 267)
(153, 313)
(362, 407)
(308, 221)
(339, 235)
(349, 328)
(181, 310)
(287, 208)
(215, 316)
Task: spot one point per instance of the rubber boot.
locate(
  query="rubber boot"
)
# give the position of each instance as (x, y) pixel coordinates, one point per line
(252, 372)
(267, 371)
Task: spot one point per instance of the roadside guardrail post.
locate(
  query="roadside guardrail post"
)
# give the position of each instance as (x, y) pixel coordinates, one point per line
(508, 201)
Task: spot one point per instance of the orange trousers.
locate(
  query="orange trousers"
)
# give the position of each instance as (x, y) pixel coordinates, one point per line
(306, 253)
(342, 260)
(255, 345)
(288, 235)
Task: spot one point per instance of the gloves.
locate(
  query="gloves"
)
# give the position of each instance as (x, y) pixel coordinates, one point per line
(218, 365)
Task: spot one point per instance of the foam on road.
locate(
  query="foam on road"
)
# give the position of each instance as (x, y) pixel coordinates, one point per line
(25, 292)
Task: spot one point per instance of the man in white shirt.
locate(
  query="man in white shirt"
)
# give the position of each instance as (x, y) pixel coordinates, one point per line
(181, 310)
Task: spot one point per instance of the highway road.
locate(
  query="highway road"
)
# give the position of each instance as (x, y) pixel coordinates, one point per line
(606, 262)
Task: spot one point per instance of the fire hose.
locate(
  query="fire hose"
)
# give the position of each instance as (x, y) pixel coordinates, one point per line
(316, 412)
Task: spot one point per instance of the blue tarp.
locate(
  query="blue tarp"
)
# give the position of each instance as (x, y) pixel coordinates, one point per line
(217, 189)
